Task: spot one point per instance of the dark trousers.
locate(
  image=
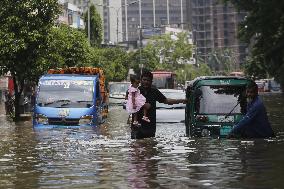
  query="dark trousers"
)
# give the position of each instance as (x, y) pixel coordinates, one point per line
(142, 132)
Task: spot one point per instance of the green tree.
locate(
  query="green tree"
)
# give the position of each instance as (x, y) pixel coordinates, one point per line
(189, 72)
(24, 30)
(264, 27)
(68, 47)
(114, 62)
(96, 29)
(182, 48)
(222, 61)
(163, 53)
(148, 57)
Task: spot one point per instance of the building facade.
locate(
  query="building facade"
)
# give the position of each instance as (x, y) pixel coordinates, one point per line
(123, 19)
(71, 15)
(215, 26)
(84, 4)
(152, 14)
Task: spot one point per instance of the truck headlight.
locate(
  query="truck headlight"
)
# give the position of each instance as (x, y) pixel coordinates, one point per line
(41, 119)
(86, 120)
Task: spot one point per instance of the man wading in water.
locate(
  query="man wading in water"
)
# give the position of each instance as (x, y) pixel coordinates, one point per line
(255, 123)
(152, 95)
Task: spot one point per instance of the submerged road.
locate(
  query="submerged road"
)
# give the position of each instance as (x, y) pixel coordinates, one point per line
(106, 157)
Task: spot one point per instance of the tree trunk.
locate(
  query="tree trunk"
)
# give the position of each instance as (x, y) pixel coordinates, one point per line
(17, 94)
(17, 107)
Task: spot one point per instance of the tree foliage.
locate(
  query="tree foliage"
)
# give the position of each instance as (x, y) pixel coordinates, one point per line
(24, 29)
(222, 61)
(264, 27)
(189, 72)
(163, 52)
(68, 47)
(147, 57)
(171, 49)
(96, 29)
(171, 53)
(114, 61)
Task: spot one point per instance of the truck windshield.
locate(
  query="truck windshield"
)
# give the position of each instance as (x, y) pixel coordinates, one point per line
(117, 88)
(220, 99)
(65, 93)
(163, 82)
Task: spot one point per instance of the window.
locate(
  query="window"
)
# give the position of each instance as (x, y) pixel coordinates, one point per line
(220, 99)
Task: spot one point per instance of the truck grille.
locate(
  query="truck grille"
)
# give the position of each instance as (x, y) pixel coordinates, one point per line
(63, 121)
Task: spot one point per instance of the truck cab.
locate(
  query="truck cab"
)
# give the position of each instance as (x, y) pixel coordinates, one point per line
(164, 79)
(117, 92)
(70, 99)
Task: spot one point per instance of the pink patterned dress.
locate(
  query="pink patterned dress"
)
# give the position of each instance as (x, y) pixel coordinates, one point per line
(139, 100)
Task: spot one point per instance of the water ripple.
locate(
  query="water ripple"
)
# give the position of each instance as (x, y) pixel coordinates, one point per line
(106, 157)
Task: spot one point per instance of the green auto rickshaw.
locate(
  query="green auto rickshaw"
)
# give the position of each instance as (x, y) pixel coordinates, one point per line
(215, 104)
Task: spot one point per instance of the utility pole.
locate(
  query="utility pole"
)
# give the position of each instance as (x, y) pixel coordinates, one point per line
(181, 13)
(168, 12)
(140, 51)
(126, 21)
(154, 13)
(89, 25)
(140, 12)
(196, 48)
(140, 38)
(117, 11)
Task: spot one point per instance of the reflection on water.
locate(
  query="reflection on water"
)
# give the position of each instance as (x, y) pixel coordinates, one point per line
(106, 157)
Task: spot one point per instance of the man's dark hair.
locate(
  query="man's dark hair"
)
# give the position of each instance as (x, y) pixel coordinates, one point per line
(148, 74)
(134, 78)
(253, 86)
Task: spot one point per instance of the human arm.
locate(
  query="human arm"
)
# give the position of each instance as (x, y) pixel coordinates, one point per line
(247, 119)
(171, 101)
(126, 95)
(163, 99)
(133, 99)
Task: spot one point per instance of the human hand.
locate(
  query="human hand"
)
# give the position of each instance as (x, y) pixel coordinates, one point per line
(230, 135)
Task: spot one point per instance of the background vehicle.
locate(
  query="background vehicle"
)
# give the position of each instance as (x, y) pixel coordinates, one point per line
(215, 104)
(261, 85)
(164, 79)
(274, 86)
(171, 113)
(117, 92)
(239, 74)
(271, 85)
(71, 97)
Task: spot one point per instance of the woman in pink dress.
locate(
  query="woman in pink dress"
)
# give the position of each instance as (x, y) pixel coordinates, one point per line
(136, 101)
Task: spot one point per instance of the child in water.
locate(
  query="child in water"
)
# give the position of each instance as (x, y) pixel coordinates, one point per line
(136, 101)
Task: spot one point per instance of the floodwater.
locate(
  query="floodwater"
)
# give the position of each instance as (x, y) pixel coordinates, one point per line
(106, 157)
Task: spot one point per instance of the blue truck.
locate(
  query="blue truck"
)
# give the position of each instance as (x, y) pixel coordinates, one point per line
(71, 97)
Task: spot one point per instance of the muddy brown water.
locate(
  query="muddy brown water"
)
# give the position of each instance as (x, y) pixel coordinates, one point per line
(106, 157)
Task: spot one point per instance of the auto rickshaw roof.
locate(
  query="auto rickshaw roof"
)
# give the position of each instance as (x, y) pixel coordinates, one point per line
(219, 80)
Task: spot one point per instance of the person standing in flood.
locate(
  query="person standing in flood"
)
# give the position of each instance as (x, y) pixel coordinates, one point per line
(136, 101)
(152, 95)
(255, 123)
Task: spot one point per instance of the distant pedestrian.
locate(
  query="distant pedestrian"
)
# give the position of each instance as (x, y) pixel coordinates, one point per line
(255, 123)
(136, 101)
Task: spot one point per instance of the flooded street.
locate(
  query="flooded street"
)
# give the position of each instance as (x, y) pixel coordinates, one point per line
(106, 157)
